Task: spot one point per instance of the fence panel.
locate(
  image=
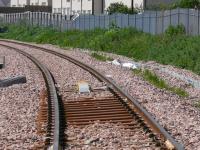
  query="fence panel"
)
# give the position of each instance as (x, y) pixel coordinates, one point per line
(138, 21)
(193, 22)
(167, 21)
(154, 22)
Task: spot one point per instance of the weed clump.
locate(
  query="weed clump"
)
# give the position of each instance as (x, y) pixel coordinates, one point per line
(153, 79)
(101, 57)
(175, 30)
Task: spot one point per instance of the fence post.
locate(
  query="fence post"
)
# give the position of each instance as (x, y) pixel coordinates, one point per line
(79, 22)
(142, 21)
(178, 16)
(94, 19)
(4, 18)
(116, 19)
(84, 22)
(89, 21)
(198, 20)
(149, 22)
(170, 15)
(121, 20)
(104, 21)
(99, 21)
(8, 18)
(128, 20)
(156, 22)
(135, 20)
(163, 21)
(41, 18)
(188, 23)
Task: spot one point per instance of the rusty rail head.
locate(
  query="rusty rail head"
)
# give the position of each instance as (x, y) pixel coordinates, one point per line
(150, 121)
(52, 95)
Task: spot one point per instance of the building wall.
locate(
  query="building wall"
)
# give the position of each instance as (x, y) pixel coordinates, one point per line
(72, 6)
(98, 6)
(18, 3)
(39, 2)
(21, 3)
(154, 3)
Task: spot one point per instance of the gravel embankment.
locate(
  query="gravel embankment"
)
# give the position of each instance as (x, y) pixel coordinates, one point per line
(108, 136)
(19, 104)
(176, 114)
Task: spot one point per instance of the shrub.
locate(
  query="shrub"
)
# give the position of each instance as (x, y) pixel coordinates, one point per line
(120, 8)
(175, 30)
(189, 4)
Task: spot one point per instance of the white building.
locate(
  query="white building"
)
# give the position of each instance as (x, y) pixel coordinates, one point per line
(89, 6)
(76, 6)
(39, 2)
(18, 3)
(22, 3)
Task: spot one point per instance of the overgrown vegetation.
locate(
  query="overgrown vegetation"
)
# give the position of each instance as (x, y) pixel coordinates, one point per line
(120, 8)
(159, 83)
(101, 57)
(177, 49)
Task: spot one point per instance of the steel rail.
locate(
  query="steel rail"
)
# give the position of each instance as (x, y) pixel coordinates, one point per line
(146, 116)
(52, 95)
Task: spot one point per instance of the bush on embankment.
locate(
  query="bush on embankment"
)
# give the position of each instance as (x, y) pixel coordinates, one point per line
(173, 47)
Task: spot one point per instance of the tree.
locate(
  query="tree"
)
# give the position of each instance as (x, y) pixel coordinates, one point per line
(120, 8)
(189, 4)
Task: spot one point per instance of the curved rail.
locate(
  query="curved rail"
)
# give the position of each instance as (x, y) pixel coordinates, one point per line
(148, 119)
(52, 94)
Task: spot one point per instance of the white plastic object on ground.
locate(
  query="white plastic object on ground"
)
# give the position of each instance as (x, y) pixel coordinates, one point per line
(116, 62)
(129, 65)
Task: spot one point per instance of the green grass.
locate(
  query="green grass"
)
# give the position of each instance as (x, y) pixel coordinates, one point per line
(159, 83)
(137, 71)
(170, 48)
(101, 57)
(197, 104)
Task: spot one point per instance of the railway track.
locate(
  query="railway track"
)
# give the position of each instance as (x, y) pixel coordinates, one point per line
(50, 112)
(117, 106)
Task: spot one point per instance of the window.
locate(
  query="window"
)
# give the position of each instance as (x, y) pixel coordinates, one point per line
(89, 11)
(68, 10)
(43, 3)
(54, 10)
(59, 10)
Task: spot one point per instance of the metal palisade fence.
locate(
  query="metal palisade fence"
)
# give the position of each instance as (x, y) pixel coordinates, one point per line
(154, 22)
